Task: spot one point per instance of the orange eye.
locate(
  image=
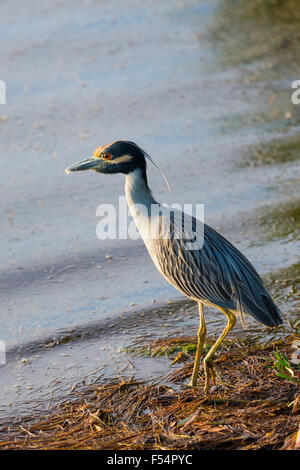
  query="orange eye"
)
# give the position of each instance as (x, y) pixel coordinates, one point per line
(107, 156)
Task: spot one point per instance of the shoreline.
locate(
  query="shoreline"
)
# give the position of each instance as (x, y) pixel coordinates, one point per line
(255, 405)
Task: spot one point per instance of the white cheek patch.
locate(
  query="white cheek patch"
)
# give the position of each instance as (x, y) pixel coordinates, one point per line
(123, 159)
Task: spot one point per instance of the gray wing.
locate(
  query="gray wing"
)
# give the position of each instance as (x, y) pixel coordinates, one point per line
(217, 272)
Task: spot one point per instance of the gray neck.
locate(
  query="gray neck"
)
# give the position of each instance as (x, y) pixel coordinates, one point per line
(137, 190)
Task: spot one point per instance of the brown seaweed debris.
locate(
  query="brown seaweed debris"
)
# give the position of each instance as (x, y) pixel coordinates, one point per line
(253, 407)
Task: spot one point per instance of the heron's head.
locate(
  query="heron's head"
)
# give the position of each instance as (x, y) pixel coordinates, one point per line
(121, 156)
(118, 157)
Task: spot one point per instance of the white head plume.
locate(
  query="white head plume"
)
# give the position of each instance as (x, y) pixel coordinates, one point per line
(156, 165)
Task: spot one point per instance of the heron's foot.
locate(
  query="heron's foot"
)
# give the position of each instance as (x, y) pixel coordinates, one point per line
(194, 378)
(193, 381)
(209, 373)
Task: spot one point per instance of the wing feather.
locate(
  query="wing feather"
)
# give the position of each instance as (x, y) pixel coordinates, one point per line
(215, 273)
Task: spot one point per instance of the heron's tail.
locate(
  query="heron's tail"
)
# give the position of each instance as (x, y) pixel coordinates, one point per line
(268, 313)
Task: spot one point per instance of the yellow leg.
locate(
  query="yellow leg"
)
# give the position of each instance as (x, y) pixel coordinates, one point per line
(208, 362)
(201, 339)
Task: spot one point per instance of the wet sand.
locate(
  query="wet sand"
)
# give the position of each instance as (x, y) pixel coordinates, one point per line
(195, 85)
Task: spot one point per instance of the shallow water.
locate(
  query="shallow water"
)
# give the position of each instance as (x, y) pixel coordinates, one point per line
(168, 76)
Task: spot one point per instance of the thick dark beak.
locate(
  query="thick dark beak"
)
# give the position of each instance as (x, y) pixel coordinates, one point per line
(88, 164)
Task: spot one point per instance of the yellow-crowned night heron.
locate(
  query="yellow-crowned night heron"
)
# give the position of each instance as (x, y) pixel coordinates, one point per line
(211, 271)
